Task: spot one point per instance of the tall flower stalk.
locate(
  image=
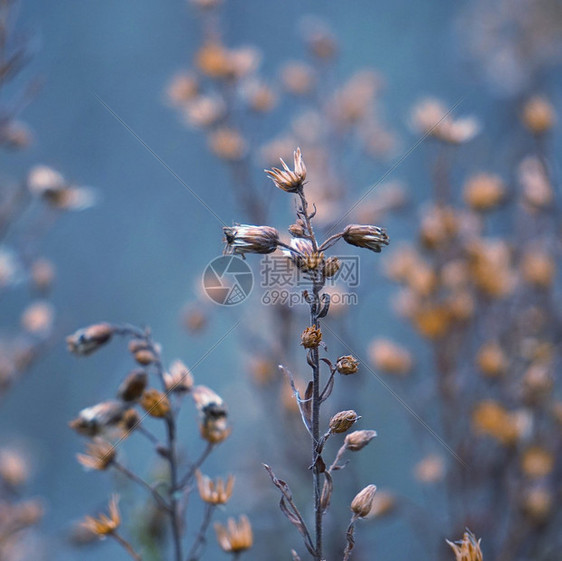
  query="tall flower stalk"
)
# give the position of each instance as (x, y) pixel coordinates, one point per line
(307, 254)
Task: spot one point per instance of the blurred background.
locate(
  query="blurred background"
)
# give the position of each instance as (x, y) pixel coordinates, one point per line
(102, 112)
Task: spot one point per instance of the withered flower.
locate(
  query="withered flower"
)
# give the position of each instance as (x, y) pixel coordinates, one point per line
(347, 365)
(180, 379)
(537, 462)
(86, 341)
(14, 470)
(430, 469)
(235, 537)
(100, 455)
(484, 191)
(311, 337)
(244, 238)
(467, 549)
(104, 525)
(155, 403)
(287, 180)
(369, 237)
(357, 440)
(491, 360)
(343, 421)
(133, 386)
(363, 501)
(214, 492)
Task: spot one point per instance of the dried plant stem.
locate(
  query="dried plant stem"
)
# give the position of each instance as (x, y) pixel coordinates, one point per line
(201, 538)
(185, 480)
(126, 545)
(140, 481)
(314, 361)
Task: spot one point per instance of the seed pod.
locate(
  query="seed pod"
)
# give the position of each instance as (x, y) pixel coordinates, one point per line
(357, 440)
(347, 365)
(343, 421)
(133, 386)
(363, 501)
(311, 337)
(86, 341)
(155, 403)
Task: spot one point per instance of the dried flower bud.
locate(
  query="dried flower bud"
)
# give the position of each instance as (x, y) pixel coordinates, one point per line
(214, 431)
(100, 455)
(155, 403)
(243, 238)
(99, 419)
(343, 421)
(537, 462)
(235, 537)
(133, 386)
(538, 115)
(297, 78)
(467, 549)
(311, 337)
(363, 501)
(287, 180)
(538, 268)
(42, 274)
(131, 420)
(137, 345)
(312, 262)
(484, 191)
(369, 237)
(38, 318)
(86, 341)
(228, 144)
(347, 365)
(14, 470)
(179, 379)
(296, 230)
(357, 440)
(389, 357)
(144, 357)
(491, 360)
(537, 504)
(430, 469)
(331, 267)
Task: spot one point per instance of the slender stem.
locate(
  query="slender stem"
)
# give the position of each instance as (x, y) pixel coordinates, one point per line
(153, 438)
(330, 241)
(174, 510)
(338, 457)
(126, 545)
(195, 551)
(140, 481)
(195, 466)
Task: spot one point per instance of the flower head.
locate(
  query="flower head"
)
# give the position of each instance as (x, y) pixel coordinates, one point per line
(467, 549)
(214, 492)
(103, 524)
(244, 238)
(347, 365)
(287, 180)
(369, 237)
(100, 455)
(235, 537)
(343, 421)
(311, 337)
